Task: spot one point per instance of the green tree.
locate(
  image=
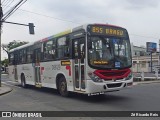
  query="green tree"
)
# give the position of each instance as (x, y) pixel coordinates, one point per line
(5, 62)
(13, 44)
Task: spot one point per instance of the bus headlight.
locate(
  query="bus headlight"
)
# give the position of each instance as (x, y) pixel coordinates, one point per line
(129, 76)
(94, 77)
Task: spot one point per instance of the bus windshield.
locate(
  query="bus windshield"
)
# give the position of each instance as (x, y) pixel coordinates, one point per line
(109, 52)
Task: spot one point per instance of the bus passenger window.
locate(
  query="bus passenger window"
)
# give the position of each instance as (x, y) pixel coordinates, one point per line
(48, 50)
(63, 48)
(82, 52)
(29, 54)
(11, 59)
(20, 56)
(24, 56)
(76, 49)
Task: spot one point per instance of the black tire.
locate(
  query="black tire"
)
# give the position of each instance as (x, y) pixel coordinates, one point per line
(62, 87)
(23, 81)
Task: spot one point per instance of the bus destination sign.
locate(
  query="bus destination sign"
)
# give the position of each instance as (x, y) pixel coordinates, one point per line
(107, 30)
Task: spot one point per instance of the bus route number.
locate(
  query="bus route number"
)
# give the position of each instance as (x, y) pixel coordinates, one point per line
(97, 30)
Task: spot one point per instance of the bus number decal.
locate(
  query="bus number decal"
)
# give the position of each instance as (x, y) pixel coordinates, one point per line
(56, 67)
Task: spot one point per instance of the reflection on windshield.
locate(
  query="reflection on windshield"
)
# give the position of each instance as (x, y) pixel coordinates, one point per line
(109, 52)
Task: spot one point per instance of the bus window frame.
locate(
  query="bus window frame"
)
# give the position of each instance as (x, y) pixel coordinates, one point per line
(77, 35)
(11, 62)
(54, 40)
(31, 54)
(44, 51)
(69, 47)
(94, 67)
(16, 59)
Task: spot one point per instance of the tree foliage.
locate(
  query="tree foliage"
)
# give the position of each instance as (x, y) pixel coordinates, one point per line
(5, 62)
(13, 44)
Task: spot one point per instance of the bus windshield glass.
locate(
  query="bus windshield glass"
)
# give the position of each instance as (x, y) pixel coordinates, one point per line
(109, 52)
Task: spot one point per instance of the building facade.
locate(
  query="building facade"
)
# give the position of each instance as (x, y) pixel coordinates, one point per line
(142, 61)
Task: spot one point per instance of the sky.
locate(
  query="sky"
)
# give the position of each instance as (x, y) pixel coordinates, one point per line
(140, 17)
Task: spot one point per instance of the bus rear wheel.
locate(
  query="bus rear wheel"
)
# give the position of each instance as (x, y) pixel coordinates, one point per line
(23, 81)
(62, 87)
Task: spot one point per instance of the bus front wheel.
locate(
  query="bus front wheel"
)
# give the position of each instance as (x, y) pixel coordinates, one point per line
(62, 87)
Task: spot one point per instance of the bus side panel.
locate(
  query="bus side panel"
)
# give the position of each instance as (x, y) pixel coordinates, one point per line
(47, 74)
(11, 71)
(27, 70)
(50, 70)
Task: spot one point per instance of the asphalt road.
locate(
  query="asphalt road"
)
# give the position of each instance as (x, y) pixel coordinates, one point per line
(143, 97)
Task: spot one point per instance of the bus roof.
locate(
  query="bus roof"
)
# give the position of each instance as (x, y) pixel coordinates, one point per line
(61, 34)
(54, 36)
(107, 25)
(23, 46)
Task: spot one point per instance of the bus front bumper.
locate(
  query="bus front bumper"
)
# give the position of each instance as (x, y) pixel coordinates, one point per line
(107, 86)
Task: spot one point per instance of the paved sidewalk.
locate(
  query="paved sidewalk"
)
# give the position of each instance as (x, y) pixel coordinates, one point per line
(5, 89)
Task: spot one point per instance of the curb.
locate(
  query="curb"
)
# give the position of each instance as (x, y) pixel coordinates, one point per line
(5, 91)
(146, 82)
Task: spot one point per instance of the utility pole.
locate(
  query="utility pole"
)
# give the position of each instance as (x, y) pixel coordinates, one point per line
(1, 15)
(151, 62)
(159, 54)
(6, 16)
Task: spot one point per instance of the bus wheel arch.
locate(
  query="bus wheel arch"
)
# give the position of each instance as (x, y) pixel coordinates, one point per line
(23, 80)
(61, 85)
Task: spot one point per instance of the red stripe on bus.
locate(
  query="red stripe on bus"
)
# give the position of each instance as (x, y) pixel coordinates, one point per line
(69, 68)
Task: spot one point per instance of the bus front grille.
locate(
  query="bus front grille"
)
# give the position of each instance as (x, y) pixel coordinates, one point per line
(112, 74)
(114, 85)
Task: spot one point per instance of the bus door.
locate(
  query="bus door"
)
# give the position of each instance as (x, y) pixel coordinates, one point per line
(37, 56)
(15, 73)
(15, 67)
(79, 63)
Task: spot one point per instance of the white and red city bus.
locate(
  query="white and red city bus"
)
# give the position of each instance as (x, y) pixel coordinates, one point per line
(89, 59)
